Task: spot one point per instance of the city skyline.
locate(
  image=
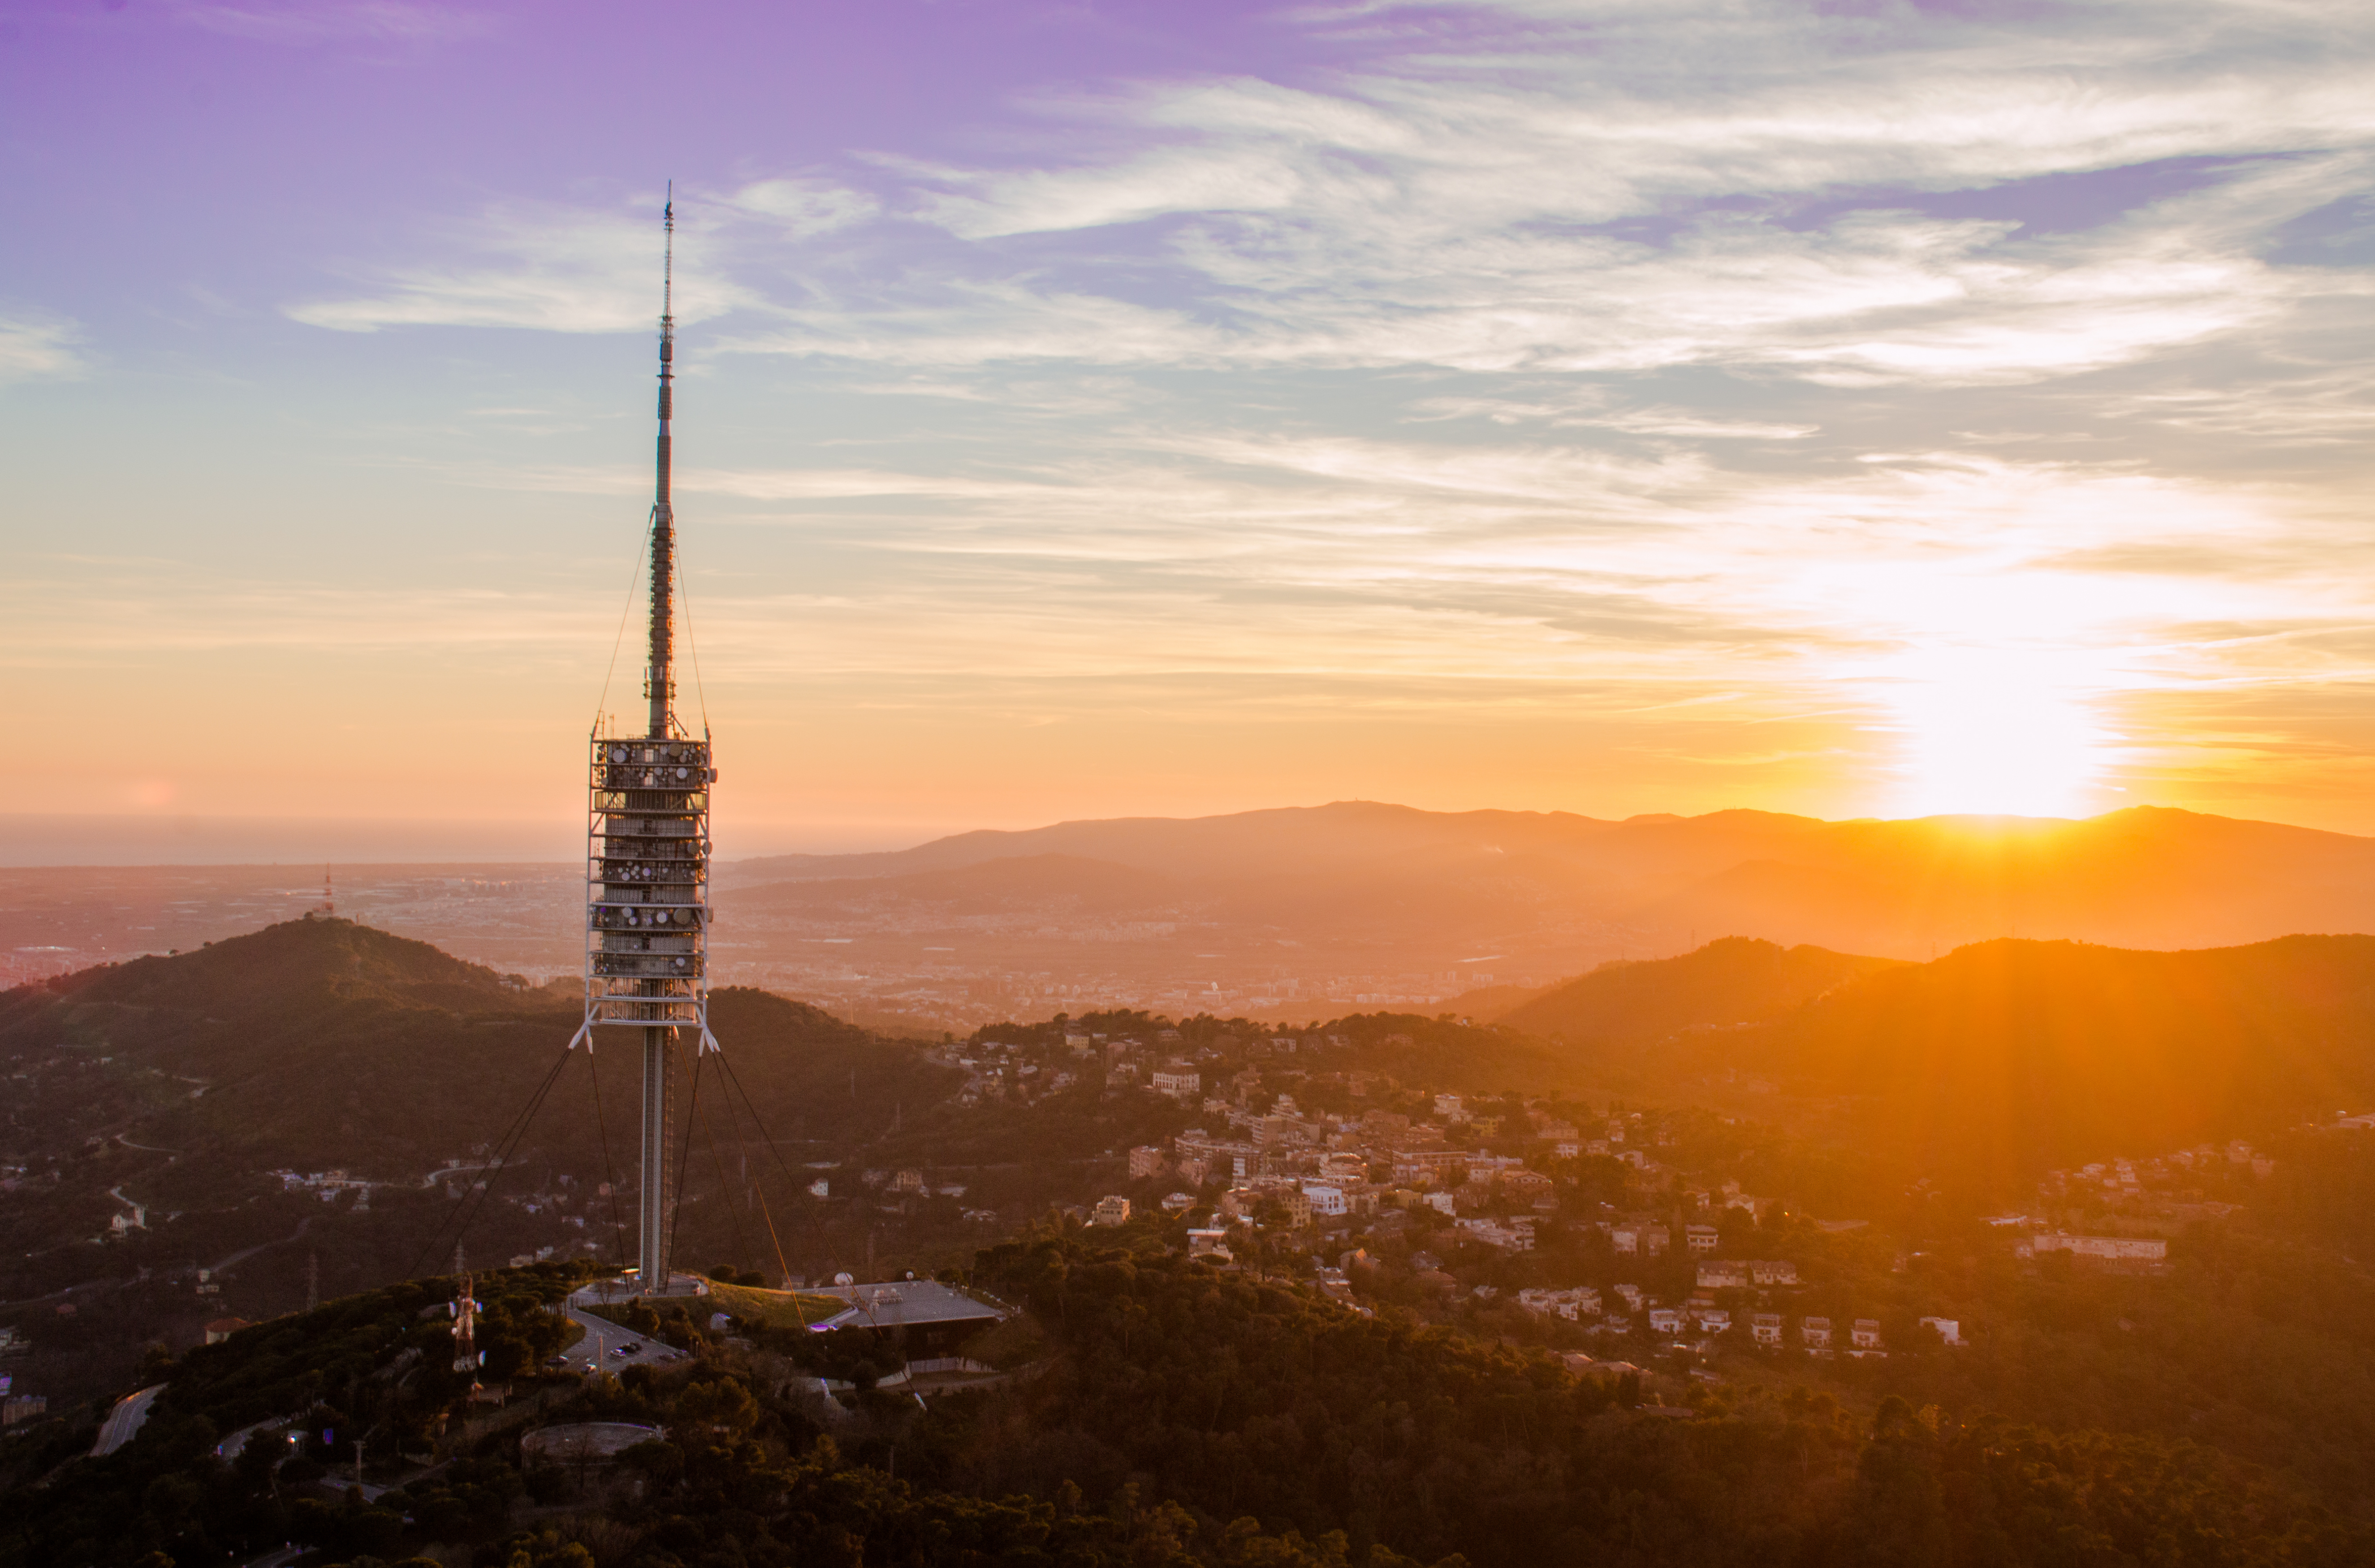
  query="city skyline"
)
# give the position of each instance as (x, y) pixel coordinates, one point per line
(1099, 413)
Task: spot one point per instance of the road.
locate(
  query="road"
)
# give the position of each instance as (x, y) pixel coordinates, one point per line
(124, 1419)
(602, 1337)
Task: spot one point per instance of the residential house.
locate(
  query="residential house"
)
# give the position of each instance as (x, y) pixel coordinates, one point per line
(1638, 1238)
(1863, 1335)
(2110, 1249)
(1949, 1330)
(1529, 1188)
(1701, 1239)
(1765, 1327)
(1146, 1160)
(1111, 1209)
(1767, 1272)
(1720, 1274)
(1815, 1333)
(1180, 1081)
(1574, 1305)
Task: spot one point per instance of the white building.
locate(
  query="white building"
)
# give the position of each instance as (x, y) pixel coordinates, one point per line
(2144, 1249)
(1326, 1202)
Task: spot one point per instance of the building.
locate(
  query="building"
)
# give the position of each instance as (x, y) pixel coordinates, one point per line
(1111, 1209)
(1712, 1320)
(1529, 1188)
(1765, 1327)
(1437, 1165)
(1209, 1244)
(23, 1407)
(1665, 1320)
(222, 1328)
(1865, 1334)
(1574, 1305)
(921, 1320)
(1146, 1160)
(1494, 1233)
(1815, 1333)
(1718, 1275)
(1634, 1238)
(1701, 1239)
(1180, 1082)
(1769, 1271)
(1949, 1330)
(2108, 1249)
(1327, 1203)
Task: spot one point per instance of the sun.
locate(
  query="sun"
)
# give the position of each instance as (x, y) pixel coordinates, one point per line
(1991, 734)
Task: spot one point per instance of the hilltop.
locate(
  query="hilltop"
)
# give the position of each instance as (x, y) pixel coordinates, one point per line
(1732, 981)
(2007, 1056)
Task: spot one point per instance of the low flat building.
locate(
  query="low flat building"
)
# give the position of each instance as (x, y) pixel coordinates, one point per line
(922, 1319)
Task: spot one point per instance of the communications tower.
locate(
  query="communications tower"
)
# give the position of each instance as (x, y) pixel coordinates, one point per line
(647, 856)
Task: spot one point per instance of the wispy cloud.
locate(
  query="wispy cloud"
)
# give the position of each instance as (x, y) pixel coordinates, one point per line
(553, 270)
(321, 21)
(34, 347)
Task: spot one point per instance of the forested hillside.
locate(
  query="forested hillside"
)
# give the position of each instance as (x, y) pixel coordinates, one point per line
(2005, 1057)
(1732, 980)
(1177, 1417)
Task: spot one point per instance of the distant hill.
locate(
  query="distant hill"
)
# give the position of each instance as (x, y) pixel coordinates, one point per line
(1360, 884)
(324, 1042)
(2007, 1056)
(1735, 980)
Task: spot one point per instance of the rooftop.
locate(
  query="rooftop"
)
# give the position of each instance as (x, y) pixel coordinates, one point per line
(900, 1303)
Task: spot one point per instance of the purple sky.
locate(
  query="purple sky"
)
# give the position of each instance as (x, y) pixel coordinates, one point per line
(1176, 407)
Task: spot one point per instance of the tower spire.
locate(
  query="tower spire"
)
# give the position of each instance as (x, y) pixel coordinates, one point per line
(659, 680)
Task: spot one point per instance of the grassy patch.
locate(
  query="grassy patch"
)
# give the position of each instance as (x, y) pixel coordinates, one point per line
(783, 1309)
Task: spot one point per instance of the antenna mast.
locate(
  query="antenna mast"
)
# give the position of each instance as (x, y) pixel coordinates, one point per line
(659, 681)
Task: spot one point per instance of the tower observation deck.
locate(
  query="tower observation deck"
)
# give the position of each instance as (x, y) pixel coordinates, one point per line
(647, 852)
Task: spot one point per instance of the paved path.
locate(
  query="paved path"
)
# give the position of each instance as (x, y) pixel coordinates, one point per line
(246, 1253)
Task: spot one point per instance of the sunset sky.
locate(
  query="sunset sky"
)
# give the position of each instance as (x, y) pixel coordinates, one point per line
(1164, 408)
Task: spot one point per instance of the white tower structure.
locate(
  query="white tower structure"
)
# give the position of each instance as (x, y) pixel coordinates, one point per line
(647, 859)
